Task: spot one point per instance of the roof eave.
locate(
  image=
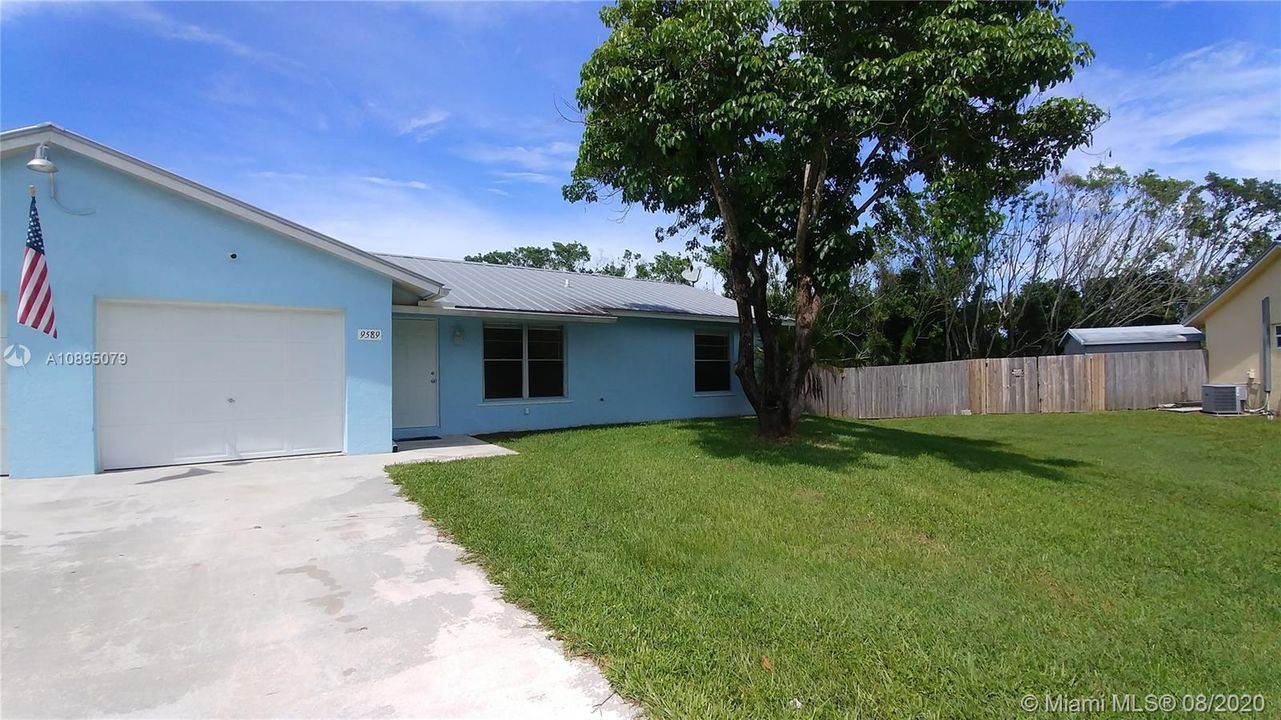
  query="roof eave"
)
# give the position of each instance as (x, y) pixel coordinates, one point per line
(693, 317)
(1197, 319)
(12, 141)
(500, 314)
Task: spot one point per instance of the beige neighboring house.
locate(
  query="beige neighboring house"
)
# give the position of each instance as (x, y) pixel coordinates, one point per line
(1242, 325)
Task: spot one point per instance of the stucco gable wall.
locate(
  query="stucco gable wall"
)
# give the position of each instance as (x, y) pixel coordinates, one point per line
(145, 242)
(1232, 333)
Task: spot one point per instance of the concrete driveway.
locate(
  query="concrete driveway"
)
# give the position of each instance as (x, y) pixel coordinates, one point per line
(302, 588)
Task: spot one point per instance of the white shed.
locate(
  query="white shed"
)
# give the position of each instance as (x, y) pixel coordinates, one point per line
(1140, 338)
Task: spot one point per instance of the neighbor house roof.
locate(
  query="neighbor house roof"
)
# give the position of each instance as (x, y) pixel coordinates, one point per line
(1138, 334)
(20, 139)
(1249, 273)
(481, 286)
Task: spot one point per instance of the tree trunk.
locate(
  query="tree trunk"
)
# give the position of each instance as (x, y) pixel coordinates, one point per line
(775, 423)
(775, 394)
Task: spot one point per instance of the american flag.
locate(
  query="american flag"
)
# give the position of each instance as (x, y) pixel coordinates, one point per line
(35, 297)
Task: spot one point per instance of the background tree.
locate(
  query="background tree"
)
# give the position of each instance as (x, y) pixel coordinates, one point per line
(780, 128)
(574, 257)
(666, 267)
(1106, 248)
(571, 257)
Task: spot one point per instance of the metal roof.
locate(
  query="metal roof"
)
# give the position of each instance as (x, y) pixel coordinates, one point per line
(520, 289)
(1137, 335)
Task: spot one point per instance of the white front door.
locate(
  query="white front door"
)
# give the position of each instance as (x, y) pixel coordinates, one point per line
(217, 382)
(414, 389)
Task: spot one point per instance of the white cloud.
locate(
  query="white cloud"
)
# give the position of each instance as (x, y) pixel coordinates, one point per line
(552, 156)
(388, 182)
(1217, 108)
(527, 177)
(167, 26)
(422, 126)
(275, 177)
(391, 218)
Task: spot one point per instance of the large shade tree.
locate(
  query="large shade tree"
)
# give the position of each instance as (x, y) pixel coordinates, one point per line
(777, 130)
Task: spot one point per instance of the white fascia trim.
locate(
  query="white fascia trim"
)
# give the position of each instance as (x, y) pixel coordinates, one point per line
(690, 317)
(499, 314)
(24, 138)
(675, 316)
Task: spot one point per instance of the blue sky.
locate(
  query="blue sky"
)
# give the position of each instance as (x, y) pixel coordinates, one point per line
(437, 128)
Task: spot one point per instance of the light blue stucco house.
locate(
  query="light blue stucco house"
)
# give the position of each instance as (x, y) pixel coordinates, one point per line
(224, 332)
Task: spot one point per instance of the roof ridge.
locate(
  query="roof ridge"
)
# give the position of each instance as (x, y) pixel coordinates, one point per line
(572, 273)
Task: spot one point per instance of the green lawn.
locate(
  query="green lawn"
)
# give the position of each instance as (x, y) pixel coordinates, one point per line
(934, 567)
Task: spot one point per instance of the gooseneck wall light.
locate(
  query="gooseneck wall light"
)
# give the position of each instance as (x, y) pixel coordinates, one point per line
(41, 163)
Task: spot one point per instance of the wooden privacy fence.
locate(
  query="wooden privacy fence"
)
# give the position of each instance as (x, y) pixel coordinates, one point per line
(1056, 383)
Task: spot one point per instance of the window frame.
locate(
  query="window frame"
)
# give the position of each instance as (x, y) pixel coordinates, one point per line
(1276, 336)
(524, 363)
(729, 361)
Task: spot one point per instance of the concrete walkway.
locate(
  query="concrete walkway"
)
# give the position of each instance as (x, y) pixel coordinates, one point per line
(303, 588)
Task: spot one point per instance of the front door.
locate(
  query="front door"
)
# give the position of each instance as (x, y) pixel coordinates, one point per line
(414, 388)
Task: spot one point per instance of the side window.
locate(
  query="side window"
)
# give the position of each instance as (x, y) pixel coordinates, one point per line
(504, 362)
(546, 362)
(524, 362)
(711, 362)
(1276, 337)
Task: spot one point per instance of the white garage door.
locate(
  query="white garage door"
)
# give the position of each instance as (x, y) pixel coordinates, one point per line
(213, 382)
(4, 343)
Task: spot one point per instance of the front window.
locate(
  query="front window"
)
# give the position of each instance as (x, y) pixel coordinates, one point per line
(711, 362)
(524, 361)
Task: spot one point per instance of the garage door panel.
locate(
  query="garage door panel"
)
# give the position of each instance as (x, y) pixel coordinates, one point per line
(267, 361)
(143, 360)
(314, 437)
(140, 325)
(4, 433)
(260, 437)
(311, 398)
(199, 401)
(127, 446)
(312, 327)
(260, 399)
(234, 360)
(194, 442)
(134, 408)
(141, 445)
(218, 382)
(311, 362)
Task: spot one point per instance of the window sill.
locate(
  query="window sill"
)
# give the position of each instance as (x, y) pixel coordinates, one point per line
(716, 393)
(527, 401)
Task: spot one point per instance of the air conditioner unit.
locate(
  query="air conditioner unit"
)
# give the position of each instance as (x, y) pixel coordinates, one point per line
(1222, 399)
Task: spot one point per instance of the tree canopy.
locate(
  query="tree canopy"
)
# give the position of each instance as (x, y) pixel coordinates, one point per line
(574, 257)
(778, 132)
(571, 257)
